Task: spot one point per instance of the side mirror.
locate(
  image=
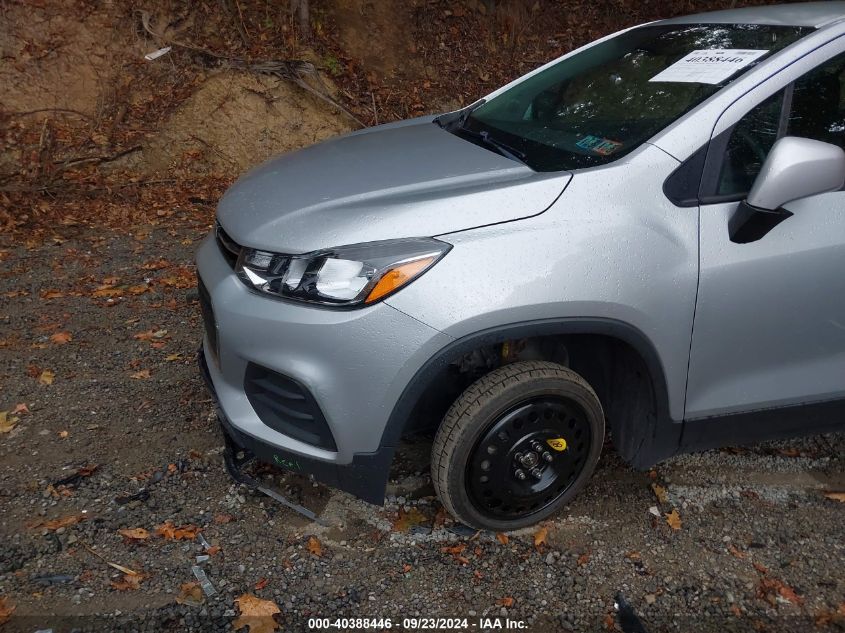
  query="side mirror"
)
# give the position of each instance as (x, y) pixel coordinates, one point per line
(795, 168)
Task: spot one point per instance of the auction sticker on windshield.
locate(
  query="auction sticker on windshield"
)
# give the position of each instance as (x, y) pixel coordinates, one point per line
(711, 66)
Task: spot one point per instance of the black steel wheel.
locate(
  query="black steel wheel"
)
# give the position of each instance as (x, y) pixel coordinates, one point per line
(517, 445)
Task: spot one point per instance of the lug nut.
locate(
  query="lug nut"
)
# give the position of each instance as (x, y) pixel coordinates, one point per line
(517, 457)
(547, 456)
(519, 474)
(536, 473)
(537, 446)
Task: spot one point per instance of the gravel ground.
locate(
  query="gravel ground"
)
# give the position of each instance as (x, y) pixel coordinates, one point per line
(760, 548)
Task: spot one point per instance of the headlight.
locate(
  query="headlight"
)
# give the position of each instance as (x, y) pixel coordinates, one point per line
(346, 276)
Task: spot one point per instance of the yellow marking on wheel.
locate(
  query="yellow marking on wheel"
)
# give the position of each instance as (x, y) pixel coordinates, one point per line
(557, 443)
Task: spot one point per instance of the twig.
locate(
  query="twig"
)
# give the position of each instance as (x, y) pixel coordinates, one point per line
(145, 21)
(44, 144)
(96, 159)
(228, 159)
(375, 112)
(290, 70)
(55, 185)
(241, 25)
(121, 568)
(60, 110)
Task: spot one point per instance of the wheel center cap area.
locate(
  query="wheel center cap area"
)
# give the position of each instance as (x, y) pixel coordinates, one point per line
(529, 459)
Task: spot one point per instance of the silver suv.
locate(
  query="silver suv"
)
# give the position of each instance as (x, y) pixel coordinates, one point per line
(646, 235)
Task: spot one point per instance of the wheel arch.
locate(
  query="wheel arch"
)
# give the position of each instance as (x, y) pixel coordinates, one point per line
(640, 441)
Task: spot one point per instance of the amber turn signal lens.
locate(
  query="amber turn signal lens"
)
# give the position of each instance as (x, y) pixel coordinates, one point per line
(398, 277)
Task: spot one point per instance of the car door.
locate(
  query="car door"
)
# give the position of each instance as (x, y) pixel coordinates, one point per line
(769, 327)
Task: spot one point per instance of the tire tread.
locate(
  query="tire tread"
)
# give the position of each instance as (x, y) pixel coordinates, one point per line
(470, 402)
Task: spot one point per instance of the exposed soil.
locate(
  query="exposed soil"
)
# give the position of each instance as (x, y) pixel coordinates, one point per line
(104, 196)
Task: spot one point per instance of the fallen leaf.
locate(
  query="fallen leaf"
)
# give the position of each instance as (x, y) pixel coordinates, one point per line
(440, 518)
(130, 582)
(134, 534)
(183, 533)
(406, 520)
(190, 593)
(20, 408)
(673, 518)
(261, 584)
(257, 614)
(406, 568)
(140, 375)
(63, 434)
(583, 559)
(456, 551)
(156, 264)
(172, 357)
(735, 552)
(150, 335)
(660, 493)
(760, 568)
(314, 546)
(138, 290)
(223, 518)
(502, 538)
(214, 549)
(770, 588)
(788, 592)
(7, 422)
(52, 294)
(824, 618)
(46, 377)
(63, 522)
(506, 602)
(108, 290)
(6, 609)
(87, 471)
(836, 496)
(60, 338)
(540, 537)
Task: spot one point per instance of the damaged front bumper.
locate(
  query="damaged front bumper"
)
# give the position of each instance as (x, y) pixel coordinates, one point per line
(365, 477)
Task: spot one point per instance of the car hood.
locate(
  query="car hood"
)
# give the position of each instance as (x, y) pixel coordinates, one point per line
(410, 179)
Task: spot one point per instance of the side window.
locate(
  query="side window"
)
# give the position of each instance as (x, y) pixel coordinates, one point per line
(748, 146)
(818, 104)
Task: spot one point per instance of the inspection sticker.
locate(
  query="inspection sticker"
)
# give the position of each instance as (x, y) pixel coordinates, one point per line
(710, 66)
(599, 145)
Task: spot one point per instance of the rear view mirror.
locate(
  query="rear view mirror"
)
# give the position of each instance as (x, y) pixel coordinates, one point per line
(795, 168)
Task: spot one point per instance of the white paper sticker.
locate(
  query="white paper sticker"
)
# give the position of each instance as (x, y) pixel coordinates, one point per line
(710, 66)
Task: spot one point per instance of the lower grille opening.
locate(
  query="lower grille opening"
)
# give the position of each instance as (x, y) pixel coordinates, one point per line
(286, 406)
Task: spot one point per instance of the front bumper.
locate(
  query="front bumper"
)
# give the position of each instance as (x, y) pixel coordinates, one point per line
(355, 364)
(365, 477)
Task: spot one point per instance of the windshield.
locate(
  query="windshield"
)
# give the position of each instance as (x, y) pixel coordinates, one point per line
(596, 106)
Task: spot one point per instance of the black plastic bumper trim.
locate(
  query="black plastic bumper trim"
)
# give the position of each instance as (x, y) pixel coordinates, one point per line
(366, 477)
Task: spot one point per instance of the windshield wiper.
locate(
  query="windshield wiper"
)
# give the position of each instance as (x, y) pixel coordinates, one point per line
(456, 120)
(503, 148)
